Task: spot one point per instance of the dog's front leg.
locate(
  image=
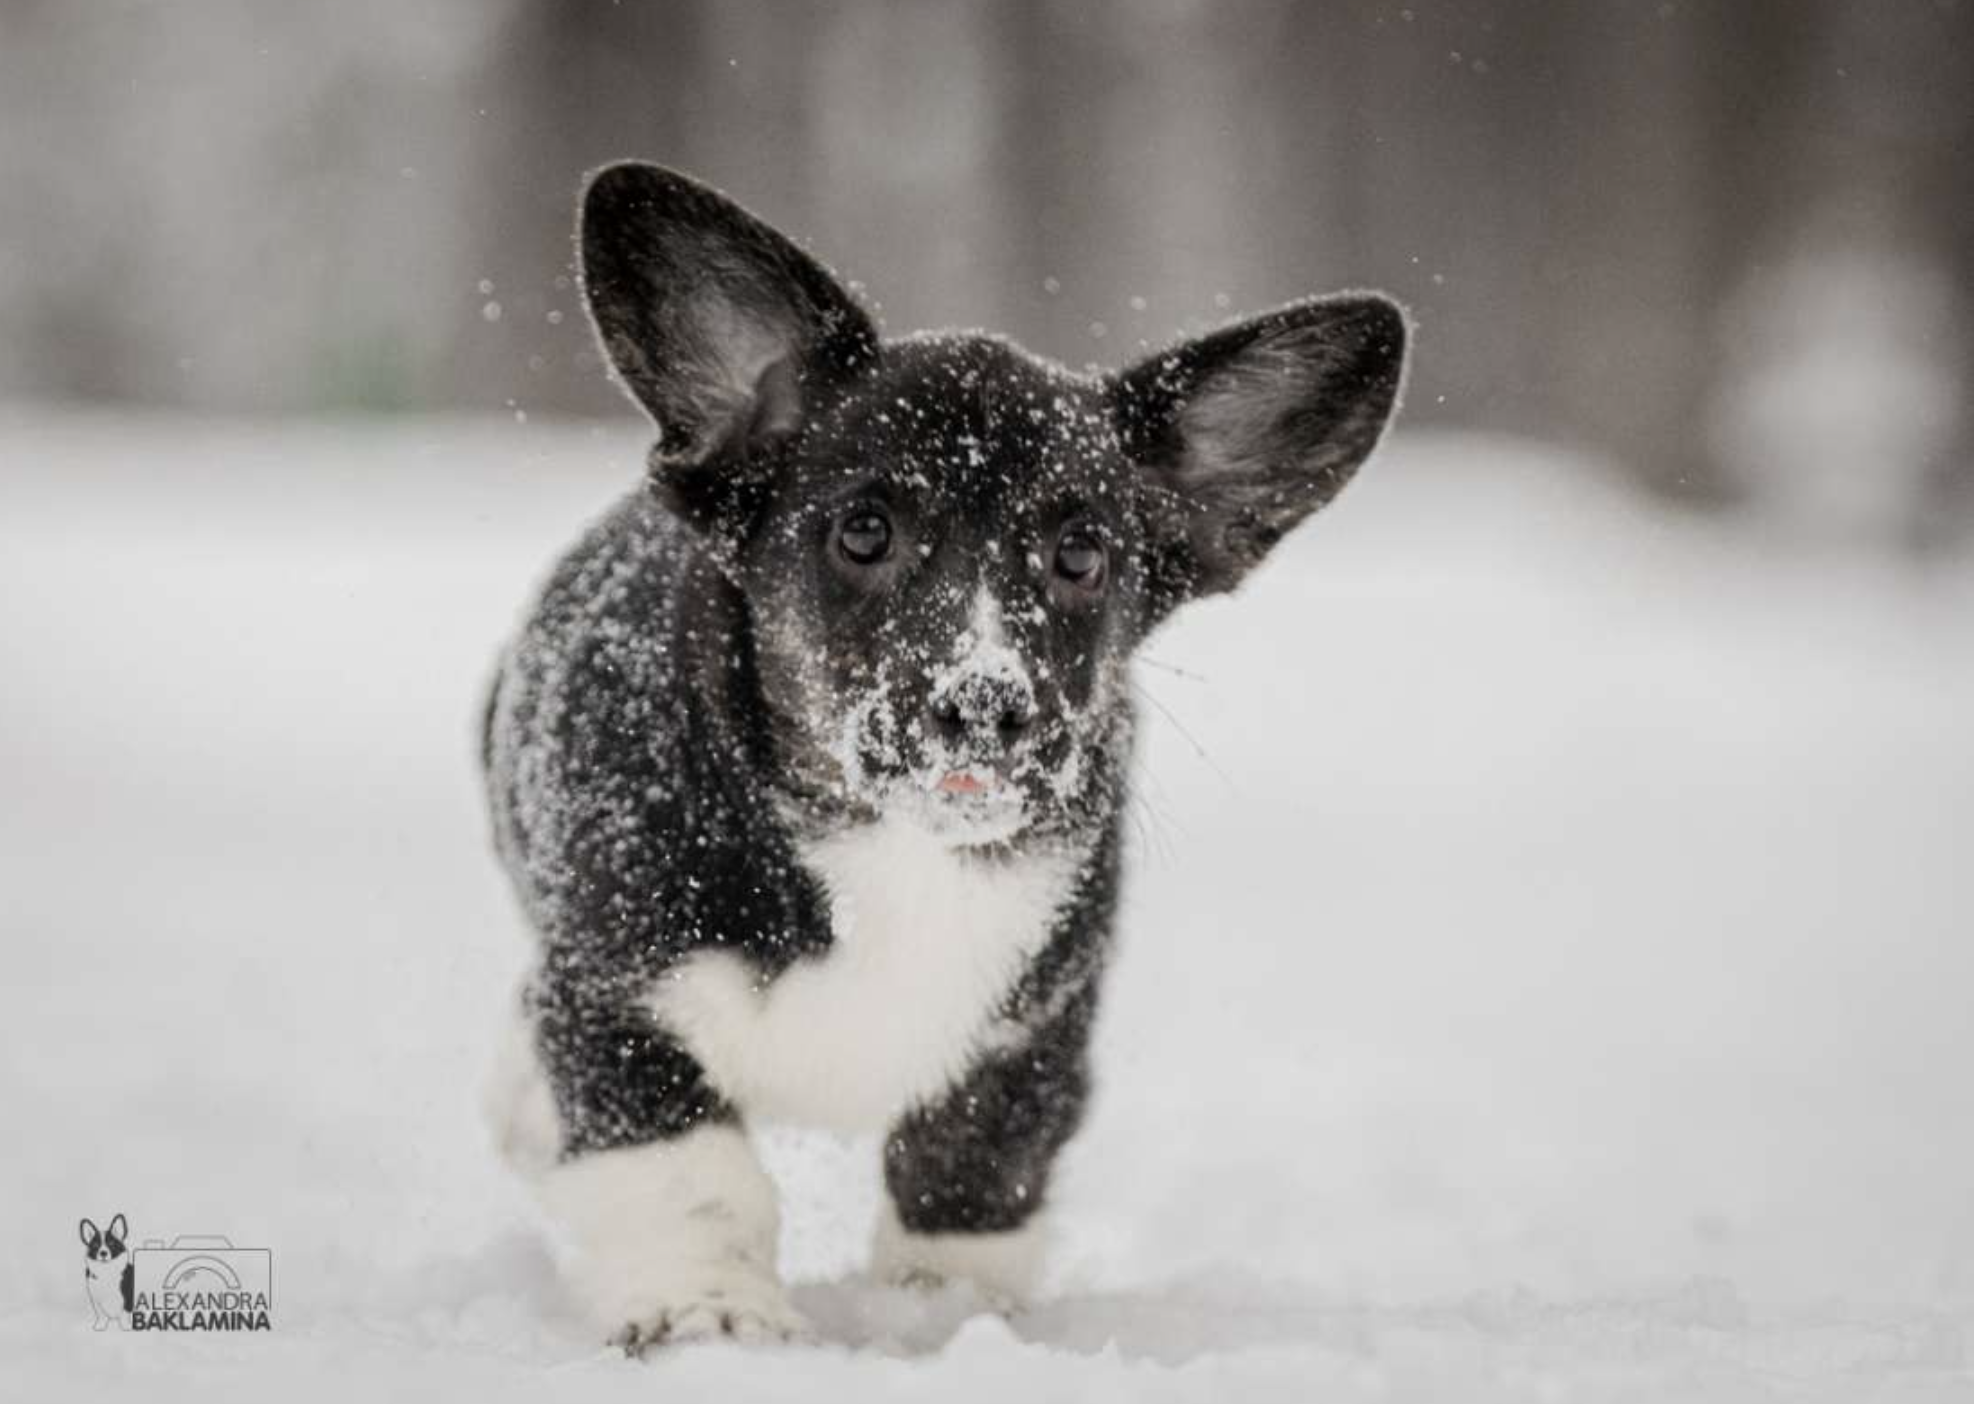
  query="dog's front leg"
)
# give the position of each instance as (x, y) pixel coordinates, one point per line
(670, 1221)
(968, 1175)
(674, 1239)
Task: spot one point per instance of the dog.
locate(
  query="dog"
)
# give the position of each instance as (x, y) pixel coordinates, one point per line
(808, 763)
(106, 1272)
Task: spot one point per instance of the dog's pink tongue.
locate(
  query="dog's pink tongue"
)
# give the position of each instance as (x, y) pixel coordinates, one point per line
(963, 782)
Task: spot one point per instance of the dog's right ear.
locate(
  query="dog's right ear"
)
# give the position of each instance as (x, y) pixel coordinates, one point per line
(721, 328)
(91, 1235)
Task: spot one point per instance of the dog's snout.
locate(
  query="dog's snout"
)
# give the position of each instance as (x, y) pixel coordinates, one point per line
(983, 706)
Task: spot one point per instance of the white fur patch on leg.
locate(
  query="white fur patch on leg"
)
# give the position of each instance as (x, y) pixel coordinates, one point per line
(1006, 1268)
(674, 1240)
(517, 1103)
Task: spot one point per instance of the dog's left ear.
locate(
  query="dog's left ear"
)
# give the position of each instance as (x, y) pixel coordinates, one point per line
(720, 327)
(119, 1230)
(1249, 429)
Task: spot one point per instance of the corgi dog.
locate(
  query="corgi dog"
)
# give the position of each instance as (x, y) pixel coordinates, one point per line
(106, 1272)
(808, 762)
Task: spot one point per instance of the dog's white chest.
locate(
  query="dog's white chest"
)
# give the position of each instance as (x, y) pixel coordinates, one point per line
(928, 940)
(105, 1280)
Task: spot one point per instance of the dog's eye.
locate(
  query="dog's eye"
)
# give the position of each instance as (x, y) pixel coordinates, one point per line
(1080, 558)
(865, 536)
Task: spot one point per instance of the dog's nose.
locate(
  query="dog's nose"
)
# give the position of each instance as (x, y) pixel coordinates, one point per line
(991, 707)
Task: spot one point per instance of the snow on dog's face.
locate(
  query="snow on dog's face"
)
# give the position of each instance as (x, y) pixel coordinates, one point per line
(949, 548)
(947, 587)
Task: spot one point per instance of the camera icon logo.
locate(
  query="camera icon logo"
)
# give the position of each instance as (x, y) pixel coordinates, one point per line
(201, 1282)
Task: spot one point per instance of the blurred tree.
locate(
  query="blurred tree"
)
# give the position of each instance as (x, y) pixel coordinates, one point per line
(1643, 225)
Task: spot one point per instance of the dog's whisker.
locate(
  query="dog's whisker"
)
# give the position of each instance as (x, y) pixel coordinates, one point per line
(1140, 830)
(1156, 825)
(1191, 740)
(1173, 668)
(1157, 831)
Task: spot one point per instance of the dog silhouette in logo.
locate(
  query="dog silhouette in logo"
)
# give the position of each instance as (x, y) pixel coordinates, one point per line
(106, 1272)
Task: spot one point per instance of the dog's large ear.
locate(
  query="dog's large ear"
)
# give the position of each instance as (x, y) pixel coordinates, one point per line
(91, 1235)
(119, 1230)
(1249, 429)
(721, 328)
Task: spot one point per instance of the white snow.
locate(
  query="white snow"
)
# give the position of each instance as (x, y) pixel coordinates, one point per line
(1551, 982)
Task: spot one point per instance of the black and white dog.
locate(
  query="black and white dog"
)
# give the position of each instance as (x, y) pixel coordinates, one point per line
(809, 761)
(107, 1272)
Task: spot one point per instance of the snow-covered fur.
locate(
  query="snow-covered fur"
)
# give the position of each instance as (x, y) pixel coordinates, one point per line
(809, 761)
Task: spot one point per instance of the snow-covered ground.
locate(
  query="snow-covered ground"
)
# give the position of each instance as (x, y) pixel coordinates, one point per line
(1577, 902)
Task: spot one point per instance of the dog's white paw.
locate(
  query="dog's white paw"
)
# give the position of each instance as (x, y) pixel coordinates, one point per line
(675, 1241)
(915, 1279)
(1004, 1269)
(756, 1313)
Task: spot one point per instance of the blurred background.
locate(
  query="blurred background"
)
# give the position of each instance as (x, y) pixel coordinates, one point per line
(1724, 245)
